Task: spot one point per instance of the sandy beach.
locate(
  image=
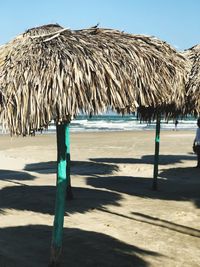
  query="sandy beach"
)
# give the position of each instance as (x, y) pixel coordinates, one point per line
(115, 218)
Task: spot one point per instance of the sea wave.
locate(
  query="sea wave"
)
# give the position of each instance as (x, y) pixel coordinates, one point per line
(122, 123)
(125, 123)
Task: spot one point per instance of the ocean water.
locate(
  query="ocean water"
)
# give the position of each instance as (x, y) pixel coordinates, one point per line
(112, 122)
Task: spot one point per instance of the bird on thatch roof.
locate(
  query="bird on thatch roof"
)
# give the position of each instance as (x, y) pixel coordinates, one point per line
(96, 26)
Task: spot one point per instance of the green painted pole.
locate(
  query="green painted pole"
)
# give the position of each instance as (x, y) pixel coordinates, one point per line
(57, 235)
(69, 194)
(156, 156)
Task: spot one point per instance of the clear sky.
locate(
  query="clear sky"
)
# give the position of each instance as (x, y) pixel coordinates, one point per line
(174, 21)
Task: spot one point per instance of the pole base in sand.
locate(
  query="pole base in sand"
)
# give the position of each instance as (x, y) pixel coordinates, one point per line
(55, 257)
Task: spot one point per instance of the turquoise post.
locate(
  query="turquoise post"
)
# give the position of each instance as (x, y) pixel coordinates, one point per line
(69, 194)
(61, 131)
(156, 156)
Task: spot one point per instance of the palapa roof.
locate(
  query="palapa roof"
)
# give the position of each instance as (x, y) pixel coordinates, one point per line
(50, 73)
(193, 82)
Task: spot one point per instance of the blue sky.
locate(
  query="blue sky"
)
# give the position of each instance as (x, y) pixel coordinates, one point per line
(174, 21)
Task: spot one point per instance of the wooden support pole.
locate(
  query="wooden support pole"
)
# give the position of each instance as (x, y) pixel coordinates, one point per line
(57, 235)
(156, 156)
(69, 193)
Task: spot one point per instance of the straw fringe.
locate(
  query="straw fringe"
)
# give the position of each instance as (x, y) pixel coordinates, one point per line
(193, 81)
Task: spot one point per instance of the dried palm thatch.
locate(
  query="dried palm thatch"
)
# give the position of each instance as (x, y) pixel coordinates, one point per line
(158, 73)
(50, 73)
(193, 83)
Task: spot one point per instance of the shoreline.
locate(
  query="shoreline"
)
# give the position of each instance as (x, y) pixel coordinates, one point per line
(74, 131)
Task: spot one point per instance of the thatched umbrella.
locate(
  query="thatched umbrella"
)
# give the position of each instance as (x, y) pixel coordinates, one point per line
(50, 73)
(56, 75)
(193, 82)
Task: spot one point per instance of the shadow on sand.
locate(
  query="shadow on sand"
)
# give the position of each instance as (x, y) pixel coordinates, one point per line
(147, 219)
(30, 246)
(174, 184)
(77, 167)
(42, 199)
(8, 175)
(147, 159)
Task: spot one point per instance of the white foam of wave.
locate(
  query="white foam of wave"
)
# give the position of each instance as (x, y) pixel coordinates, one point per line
(122, 124)
(126, 125)
(105, 125)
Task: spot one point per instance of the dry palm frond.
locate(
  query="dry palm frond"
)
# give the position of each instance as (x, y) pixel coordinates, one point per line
(50, 73)
(193, 83)
(156, 72)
